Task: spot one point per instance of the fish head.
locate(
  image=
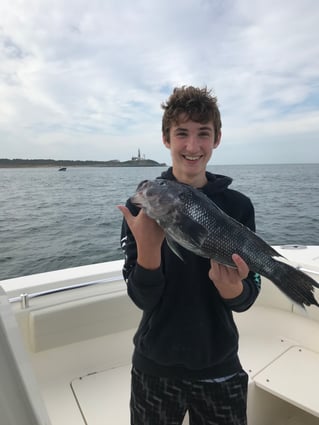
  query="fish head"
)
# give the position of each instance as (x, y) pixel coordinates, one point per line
(177, 208)
(159, 198)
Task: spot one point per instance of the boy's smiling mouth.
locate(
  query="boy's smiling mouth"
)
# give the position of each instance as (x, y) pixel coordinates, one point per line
(192, 158)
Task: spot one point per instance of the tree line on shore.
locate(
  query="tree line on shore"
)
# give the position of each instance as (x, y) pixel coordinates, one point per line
(15, 163)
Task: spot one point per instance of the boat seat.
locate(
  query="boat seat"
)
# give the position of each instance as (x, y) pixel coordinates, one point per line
(74, 321)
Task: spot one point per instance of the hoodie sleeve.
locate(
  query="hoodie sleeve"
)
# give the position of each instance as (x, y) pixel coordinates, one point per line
(144, 287)
(248, 296)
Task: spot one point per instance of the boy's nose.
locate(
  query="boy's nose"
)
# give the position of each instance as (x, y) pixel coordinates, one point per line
(192, 144)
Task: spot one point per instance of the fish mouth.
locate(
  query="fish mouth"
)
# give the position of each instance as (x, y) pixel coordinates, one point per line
(152, 195)
(137, 199)
(139, 196)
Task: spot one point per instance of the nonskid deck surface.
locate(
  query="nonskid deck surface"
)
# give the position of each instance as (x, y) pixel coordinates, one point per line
(104, 400)
(103, 397)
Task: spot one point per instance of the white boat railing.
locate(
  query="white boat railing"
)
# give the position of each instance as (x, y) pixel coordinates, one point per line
(24, 298)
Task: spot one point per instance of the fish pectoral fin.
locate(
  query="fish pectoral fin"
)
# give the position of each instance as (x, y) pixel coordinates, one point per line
(174, 246)
(196, 232)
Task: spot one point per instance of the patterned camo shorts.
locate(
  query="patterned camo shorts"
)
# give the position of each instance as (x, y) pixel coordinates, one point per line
(164, 401)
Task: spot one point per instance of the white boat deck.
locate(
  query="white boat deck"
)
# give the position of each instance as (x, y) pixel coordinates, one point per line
(79, 346)
(300, 367)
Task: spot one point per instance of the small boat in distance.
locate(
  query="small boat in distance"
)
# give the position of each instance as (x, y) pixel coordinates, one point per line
(62, 169)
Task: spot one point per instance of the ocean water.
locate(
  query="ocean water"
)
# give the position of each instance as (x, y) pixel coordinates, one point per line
(51, 220)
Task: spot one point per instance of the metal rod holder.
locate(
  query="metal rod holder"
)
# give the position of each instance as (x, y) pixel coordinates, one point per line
(24, 299)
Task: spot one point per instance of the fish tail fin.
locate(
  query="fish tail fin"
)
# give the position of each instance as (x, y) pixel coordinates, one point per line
(298, 286)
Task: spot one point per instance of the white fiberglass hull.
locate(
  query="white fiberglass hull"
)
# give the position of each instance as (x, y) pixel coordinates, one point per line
(67, 352)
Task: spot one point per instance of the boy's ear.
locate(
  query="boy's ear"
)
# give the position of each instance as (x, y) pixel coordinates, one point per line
(166, 142)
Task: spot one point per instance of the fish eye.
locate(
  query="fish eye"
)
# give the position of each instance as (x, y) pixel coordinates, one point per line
(162, 183)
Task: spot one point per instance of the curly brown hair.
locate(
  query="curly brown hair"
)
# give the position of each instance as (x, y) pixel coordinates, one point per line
(194, 103)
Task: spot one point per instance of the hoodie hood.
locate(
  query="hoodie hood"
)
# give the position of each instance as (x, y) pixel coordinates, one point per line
(216, 183)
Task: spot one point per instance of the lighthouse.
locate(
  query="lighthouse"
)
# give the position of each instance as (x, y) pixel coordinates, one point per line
(138, 157)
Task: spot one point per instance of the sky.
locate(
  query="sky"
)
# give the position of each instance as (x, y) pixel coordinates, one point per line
(84, 80)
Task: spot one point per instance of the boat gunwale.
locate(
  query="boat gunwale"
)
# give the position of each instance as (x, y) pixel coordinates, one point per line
(25, 297)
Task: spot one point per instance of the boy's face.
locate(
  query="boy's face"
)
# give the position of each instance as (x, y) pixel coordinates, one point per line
(191, 144)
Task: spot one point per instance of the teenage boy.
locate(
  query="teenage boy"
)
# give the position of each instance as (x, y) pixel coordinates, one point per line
(186, 346)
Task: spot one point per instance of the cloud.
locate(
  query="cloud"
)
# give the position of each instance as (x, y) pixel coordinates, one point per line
(86, 80)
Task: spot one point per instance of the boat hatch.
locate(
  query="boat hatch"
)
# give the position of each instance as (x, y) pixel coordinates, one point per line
(103, 397)
(294, 377)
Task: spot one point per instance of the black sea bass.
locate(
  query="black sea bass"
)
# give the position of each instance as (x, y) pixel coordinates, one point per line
(190, 219)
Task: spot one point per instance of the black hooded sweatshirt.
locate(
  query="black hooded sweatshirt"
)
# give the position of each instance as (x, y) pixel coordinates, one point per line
(187, 329)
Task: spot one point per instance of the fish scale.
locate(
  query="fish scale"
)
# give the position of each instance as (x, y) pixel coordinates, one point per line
(192, 220)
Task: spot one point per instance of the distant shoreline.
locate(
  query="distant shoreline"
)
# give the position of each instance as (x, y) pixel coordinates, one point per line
(33, 163)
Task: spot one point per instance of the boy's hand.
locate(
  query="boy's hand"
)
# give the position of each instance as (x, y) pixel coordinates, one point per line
(148, 235)
(228, 280)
